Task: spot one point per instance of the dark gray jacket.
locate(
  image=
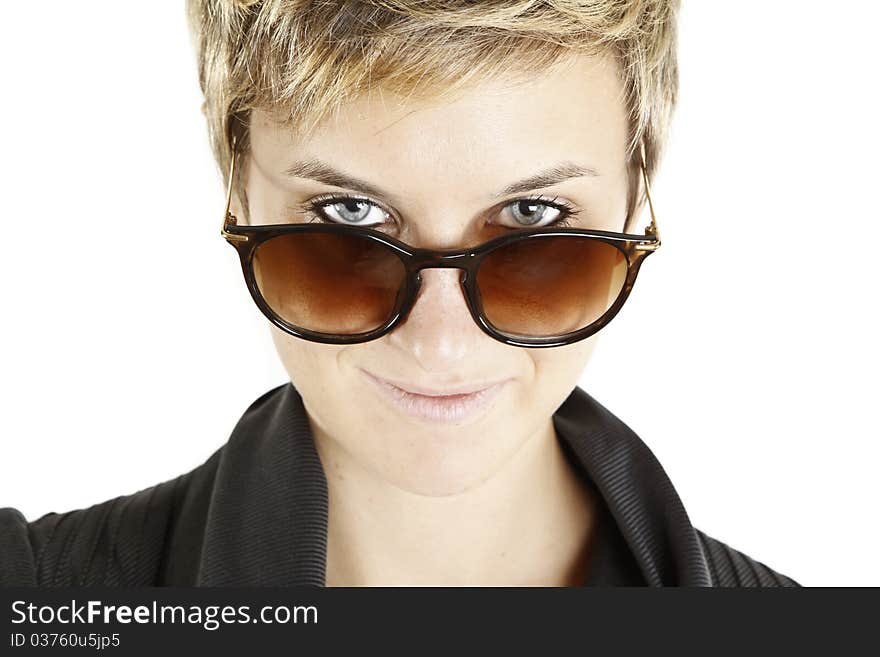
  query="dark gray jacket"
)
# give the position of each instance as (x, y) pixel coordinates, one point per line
(255, 513)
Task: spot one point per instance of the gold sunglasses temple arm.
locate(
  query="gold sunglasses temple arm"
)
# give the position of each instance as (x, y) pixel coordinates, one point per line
(651, 230)
(228, 217)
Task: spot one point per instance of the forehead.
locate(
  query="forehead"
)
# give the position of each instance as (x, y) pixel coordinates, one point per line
(509, 124)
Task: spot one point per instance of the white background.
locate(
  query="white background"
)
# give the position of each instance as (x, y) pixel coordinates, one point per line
(746, 357)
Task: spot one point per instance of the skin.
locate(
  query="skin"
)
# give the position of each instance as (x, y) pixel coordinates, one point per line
(492, 500)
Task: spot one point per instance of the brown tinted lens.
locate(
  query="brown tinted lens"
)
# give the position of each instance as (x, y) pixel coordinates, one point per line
(327, 282)
(550, 286)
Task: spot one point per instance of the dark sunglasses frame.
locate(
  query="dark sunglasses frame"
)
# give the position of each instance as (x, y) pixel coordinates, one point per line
(246, 239)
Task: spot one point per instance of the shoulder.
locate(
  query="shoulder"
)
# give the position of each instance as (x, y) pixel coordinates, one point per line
(731, 568)
(124, 541)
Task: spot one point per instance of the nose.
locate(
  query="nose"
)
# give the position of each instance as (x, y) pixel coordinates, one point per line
(439, 332)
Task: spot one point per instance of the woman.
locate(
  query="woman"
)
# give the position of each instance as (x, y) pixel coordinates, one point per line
(437, 208)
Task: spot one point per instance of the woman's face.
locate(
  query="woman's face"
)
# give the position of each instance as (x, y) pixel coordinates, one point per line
(439, 166)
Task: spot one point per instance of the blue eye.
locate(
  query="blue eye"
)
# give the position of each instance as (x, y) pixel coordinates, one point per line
(351, 211)
(531, 213)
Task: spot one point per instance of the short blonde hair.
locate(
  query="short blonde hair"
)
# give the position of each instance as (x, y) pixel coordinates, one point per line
(301, 61)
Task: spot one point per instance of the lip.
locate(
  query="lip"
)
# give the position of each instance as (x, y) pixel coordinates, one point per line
(450, 405)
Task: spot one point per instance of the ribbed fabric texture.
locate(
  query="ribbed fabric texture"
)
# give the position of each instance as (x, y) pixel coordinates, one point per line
(255, 513)
(267, 520)
(731, 568)
(638, 492)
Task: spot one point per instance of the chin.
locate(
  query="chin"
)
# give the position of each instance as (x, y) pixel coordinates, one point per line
(440, 463)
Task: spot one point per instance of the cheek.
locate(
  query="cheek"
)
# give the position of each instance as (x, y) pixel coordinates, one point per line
(311, 366)
(557, 370)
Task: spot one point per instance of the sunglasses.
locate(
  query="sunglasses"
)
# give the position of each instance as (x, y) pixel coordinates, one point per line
(531, 287)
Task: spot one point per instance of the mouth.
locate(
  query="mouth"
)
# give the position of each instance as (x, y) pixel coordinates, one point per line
(452, 404)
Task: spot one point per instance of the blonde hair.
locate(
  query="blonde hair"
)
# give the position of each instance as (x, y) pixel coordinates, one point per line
(302, 60)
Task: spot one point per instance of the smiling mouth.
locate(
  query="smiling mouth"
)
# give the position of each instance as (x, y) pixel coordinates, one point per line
(465, 402)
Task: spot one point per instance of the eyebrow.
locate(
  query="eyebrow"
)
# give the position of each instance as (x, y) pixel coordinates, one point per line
(314, 169)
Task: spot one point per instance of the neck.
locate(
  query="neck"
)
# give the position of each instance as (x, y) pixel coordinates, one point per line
(528, 525)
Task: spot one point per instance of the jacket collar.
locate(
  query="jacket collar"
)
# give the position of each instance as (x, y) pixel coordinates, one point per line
(267, 518)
